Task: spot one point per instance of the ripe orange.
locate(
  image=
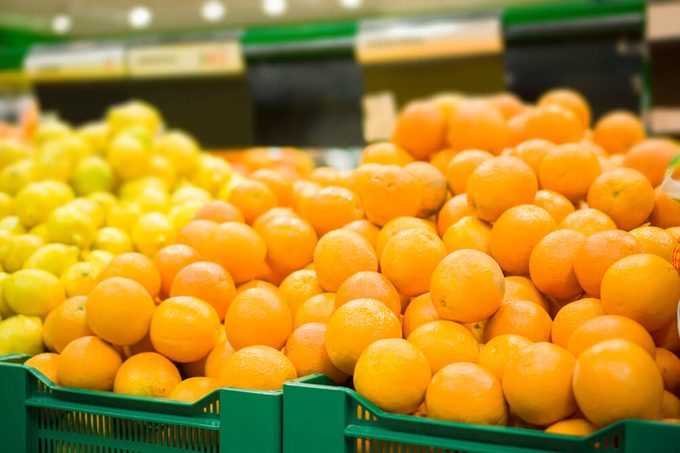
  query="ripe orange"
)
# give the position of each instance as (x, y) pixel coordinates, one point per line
(137, 267)
(331, 208)
(554, 123)
(557, 205)
(572, 427)
(196, 234)
(532, 152)
(219, 211)
(354, 326)
(207, 281)
(517, 127)
(88, 363)
(147, 374)
(651, 158)
(302, 192)
(409, 259)
(670, 407)
(541, 369)
(119, 310)
(667, 337)
(325, 176)
(514, 235)
(452, 211)
(372, 285)
(433, 184)
(507, 104)
(391, 192)
(397, 225)
(170, 260)
(365, 228)
(623, 194)
(47, 363)
(278, 182)
(569, 170)
(184, 328)
(468, 233)
(273, 213)
(666, 212)
(587, 221)
(607, 327)
(618, 131)
(237, 248)
(382, 370)
(258, 316)
(444, 342)
(362, 174)
(467, 286)
(298, 287)
(519, 317)
(384, 153)
(597, 253)
(495, 353)
(420, 129)
(522, 288)
(315, 309)
(461, 166)
(615, 380)
(252, 198)
(642, 287)
(468, 393)
(65, 323)
(290, 243)
(571, 316)
(442, 158)
(306, 349)
(261, 284)
(570, 100)
(339, 255)
(669, 364)
(551, 264)
(193, 389)
(475, 124)
(257, 368)
(216, 358)
(656, 241)
(420, 311)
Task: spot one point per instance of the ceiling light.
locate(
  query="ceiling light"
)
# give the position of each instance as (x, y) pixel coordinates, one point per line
(61, 23)
(274, 7)
(350, 4)
(140, 17)
(213, 10)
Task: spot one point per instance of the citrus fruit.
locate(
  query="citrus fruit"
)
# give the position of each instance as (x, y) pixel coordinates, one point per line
(32, 292)
(572, 427)
(137, 267)
(461, 166)
(207, 281)
(519, 317)
(53, 258)
(420, 129)
(21, 334)
(618, 131)
(522, 288)
(623, 194)
(419, 311)
(237, 248)
(551, 264)
(669, 364)
(306, 349)
(299, 286)
(569, 170)
(80, 279)
(655, 240)
(66, 323)
(290, 242)
(433, 186)
(147, 374)
(554, 123)
(331, 208)
(495, 353)
(391, 192)
(570, 100)
(193, 389)
(384, 153)
(112, 240)
(651, 158)
(555, 203)
(216, 358)
(571, 316)
(88, 363)
(315, 309)
(478, 125)
(339, 255)
(444, 342)
(607, 327)
(468, 233)
(372, 285)
(257, 367)
(587, 221)
(452, 211)
(46, 363)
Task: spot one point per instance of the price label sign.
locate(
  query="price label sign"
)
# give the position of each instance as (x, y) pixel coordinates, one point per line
(75, 62)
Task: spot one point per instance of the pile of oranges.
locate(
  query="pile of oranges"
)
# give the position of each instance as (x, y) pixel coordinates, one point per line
(494, 263)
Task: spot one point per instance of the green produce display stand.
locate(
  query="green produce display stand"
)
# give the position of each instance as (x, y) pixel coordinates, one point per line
(319, 417)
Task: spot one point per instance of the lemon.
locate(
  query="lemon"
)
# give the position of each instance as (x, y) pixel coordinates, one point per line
(180, 149)
(152, 232)
(80, 278)
(128, 157)
(50, 129)
(134, 188)
(53, 258)
(153, 200)
(11, 151)
(5, 311)
(211, 173)
(33, 292)
(53, 162)
(17, 250)
(92, 174)
(89, 208)
(104, 199)
(12, 225)
(15, 176)
(189, 192)
(69, 225)
(21, 335)
(7, 205)
(40, 230)
(160, 167)
(124, 216)
(133, 113)
(223, 192)
(37, 200)
(96, 135)
(100, 258)
(113, 240)
(184, 213)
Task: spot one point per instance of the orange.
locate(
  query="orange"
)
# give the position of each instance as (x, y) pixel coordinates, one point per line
(541, 369)
(623, 194)
(273, 213)
(261, 284)
(517, 127)
(290, 242)
(382, 370)
(137, 267)
(499, 184)
(452, 211)
(65, 323)
(554, 123)
(420, 129)
(461, 166)
(571, 316)
(607, 327)
(354, 326)
(206, 281)
(642, 287)
(444, 342)
(656, 241)
(442, 158)
(433, 184)
(666, 212)
(391, 192)
(475, 124)
(587, 221)
(189, 369)
(669, 364)
(532, 152)
(252, 198)
(572, 427)
(468, 393)
(362, 174)
(467, 286)
(384, 153)
(142, 346)
(615, 380)
(281, 185)
(420, 311)
(365, 228)
(674, 231)
(597, 253)
(306, 349)
(651, 158)
(302, 192)
(557, 205)
(519, 317)
(618, 131)
(47, 363)
(88, 363)
(372, 285)
(331, 208)
(667, 337)
(397, 225)
(170, 260)
(468, 233)
(570, 100)
(315, 309)
(670, 407)
(339, 255)
(193, 389)
(147, 374)
(196, 234)
(219, 211)
(569, 170)
(237, 248)
(522, 288)
(495, 353)
(298, 287)
(119, 310)
(257, 368)
(216, 358)
(507, 104)
(325, 176)
(551, 264)
(184, 328)
(409, 259)
(514, 235)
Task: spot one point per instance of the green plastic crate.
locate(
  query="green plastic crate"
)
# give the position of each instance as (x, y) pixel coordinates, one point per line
(38, 417)
(319, 417)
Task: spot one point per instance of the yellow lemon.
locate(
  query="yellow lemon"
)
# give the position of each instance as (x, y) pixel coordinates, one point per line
(80, 278)
(53, 258)
(211, 173)
(15, 176)
(152, 232)
(184, 213)
(180, 149)
(6, 205)
(96, 134)
(69, 225)
(50, 129)
(153, 199)
(113, 240)
(189, 192)
(128, 156)
(5, 310)
(100, 258)
(21, 335)
(133, 114)
(124, 216)
(92, 174)
(17, 250)
(104, 199)
(33, 292)
(11, 151)
(89, 208)
(12, 225)
(37, 200)
(40, 230)
(161, 167)
(134, 188)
